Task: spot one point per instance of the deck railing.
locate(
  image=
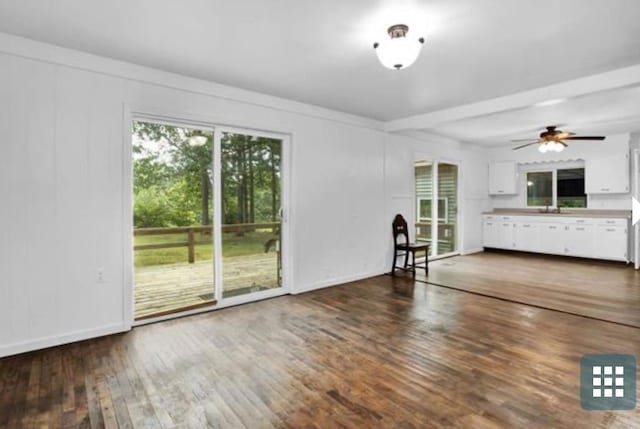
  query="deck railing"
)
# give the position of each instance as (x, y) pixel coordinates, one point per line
(191, 235)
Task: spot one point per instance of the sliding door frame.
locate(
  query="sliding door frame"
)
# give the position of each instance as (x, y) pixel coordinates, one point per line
(285, 247)
(131, 113)
(434, 206)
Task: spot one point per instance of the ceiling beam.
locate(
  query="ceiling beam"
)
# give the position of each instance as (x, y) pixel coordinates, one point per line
(600, 82)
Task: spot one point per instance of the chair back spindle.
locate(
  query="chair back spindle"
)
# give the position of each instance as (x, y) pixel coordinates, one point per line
(400, 227)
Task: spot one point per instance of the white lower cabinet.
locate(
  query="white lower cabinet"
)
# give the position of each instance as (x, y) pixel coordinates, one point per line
(527, 237)
(583, 237)
(612, 242)
(505, 235)
(552, 239)
(490, 233)
(579, 240)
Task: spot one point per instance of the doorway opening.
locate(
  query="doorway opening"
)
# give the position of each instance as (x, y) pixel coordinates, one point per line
(207, 217)
(436, 203)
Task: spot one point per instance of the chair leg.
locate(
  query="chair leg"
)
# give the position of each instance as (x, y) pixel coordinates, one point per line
(426, 262)
(406, 258)
(413, 267)
(393, 265)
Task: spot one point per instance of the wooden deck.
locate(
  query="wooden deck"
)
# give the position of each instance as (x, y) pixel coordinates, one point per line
(164, 288)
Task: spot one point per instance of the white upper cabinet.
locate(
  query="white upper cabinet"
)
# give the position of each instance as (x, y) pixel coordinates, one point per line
(503, 178)
(607, 175)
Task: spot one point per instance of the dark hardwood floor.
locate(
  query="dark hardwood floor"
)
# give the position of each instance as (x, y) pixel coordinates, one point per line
(383, 352)
(599, 289)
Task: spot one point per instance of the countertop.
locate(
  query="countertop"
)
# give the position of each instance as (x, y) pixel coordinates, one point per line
(586, 213)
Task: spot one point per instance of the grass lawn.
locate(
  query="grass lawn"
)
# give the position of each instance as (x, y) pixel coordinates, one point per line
(232, 245)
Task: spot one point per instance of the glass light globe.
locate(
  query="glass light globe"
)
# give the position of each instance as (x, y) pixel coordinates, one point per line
(559, 147)
(555, 147)
(398, 52)
(543, 147)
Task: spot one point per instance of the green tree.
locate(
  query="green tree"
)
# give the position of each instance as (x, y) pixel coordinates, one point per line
(173, 172)
(165, 154)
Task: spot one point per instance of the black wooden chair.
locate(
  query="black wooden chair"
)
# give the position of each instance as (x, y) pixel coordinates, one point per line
(406, 247)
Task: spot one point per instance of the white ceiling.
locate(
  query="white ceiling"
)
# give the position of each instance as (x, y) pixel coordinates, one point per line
(320, 52)
(600, 113)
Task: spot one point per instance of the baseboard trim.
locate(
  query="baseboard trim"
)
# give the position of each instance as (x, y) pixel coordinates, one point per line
(58, 340)
(338, 281)
(472, 251)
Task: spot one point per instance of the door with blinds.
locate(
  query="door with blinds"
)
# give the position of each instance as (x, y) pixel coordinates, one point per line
(436, 203)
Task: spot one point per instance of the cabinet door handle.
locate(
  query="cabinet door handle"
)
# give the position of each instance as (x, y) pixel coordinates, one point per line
(605, 189)
(579, 229)
(526, 226)
(611, 229)
(552, 227)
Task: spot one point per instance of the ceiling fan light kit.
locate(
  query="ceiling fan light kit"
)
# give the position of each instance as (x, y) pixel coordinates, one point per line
(550, 147)
(399, 51)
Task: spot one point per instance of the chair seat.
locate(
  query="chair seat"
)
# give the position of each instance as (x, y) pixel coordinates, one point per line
(413, 246)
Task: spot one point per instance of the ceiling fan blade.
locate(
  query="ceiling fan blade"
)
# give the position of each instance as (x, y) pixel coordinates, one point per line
(525, 145)
(521, 140)
(585, 138)
(564, 134)
(563, 143)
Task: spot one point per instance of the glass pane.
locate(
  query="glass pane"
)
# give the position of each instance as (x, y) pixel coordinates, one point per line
(424, 189)
(251, 183)
(172, 212)
(571, 188)
(447, 208)
(540, 189)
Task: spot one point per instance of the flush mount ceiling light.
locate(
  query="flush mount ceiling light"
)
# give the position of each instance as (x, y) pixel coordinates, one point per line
(400, 51)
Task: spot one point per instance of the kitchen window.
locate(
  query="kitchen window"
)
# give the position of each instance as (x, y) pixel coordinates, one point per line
(539, 188)
(570, 186)
(563, 187)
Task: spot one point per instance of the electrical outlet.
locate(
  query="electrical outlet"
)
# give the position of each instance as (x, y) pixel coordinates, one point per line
(100, 275)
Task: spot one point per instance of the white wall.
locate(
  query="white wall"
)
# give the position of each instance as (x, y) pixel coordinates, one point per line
(62, 190)
(583, 151)
(64, 187)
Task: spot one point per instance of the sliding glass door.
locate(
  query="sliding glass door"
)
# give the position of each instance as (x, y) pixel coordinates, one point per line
(436, 202)
(250, 206)
(447, 209)
(172, 218)
(207, 217)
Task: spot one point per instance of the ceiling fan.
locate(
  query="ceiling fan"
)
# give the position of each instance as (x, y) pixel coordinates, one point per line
(553, 140)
